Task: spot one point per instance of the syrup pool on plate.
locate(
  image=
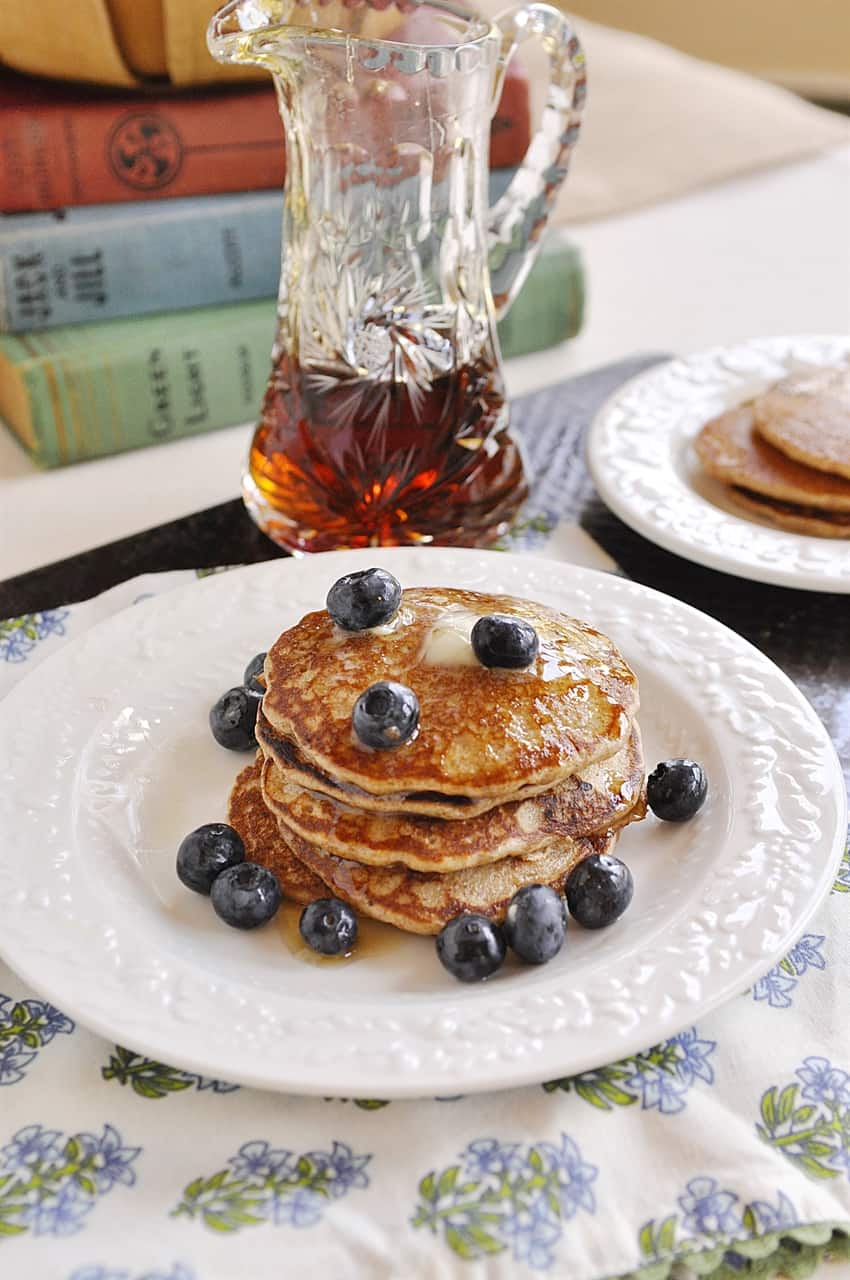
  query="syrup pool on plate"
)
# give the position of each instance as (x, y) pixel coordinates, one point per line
(373, 938)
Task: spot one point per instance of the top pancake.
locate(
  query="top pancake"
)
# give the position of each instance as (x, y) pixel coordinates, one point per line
(729, 450)
(482, 732)
(807, 417)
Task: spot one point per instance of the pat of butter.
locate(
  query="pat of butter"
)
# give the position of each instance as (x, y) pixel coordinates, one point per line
(448, 643)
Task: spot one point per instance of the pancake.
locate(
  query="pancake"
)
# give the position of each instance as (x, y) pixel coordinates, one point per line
(482, 733)
(428, 804)
(608, 794)
(419, 902)
(730, 450)
(301, 773)
(807, 417)
(819, 524)
(258, 829)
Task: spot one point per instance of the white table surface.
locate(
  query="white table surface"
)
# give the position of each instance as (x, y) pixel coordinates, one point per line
(764, 254)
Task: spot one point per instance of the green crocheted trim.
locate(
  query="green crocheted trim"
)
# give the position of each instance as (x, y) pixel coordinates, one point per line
(793, 1254)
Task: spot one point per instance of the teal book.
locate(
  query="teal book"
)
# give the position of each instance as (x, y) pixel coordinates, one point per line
(103, 262)
(89, 390)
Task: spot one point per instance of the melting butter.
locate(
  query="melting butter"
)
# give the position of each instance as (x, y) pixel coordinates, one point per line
(402, 618)
(449, 643)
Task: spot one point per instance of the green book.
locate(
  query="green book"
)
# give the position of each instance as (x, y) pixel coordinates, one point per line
(85, 391)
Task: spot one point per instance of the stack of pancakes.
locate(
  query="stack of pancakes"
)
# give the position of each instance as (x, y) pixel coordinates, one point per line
(786, 455)
(512, 778)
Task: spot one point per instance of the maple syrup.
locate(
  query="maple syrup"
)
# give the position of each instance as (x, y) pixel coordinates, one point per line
(355, 462)
(373, 938)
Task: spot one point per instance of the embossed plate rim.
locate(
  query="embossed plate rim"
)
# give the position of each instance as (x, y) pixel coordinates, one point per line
(499, 1036)
(645, 488)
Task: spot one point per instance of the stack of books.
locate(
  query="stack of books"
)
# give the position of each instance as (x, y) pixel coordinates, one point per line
(140, 255)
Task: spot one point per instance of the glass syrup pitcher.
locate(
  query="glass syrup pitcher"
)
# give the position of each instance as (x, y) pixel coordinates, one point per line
(384, 421)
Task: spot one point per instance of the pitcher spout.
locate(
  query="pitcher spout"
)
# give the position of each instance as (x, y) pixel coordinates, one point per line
(245, 31)
(261, 32)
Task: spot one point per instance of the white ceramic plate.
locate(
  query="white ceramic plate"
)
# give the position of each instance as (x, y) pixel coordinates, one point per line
(107, 761)
(641, 458)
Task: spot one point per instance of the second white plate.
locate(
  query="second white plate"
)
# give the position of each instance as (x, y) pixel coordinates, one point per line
(641, 458)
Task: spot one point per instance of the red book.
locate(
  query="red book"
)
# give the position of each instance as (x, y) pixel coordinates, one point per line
(62, 144)
(510, 132)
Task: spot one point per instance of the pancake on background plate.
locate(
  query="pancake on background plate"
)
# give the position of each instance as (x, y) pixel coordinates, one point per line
(730, 450)
(786, 455)
(807, 417)
(787, 515)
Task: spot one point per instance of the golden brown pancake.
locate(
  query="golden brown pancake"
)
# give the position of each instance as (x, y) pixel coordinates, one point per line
(482, 733)
(730, 450)
(608, 794)
(422, 902)
(819, 524)
(298, 772)
(807, 417)
(301, 772)
(258, 829)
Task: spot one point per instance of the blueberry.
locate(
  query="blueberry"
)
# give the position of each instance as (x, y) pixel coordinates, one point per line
(329, 926)
(500, 641)
(246, 895)
(386, 715)
(207, 851)
(471, 947)
(233, 719)
(598, 890)
(676, 789)
(364, 599)
(254, 669)
(536, 923)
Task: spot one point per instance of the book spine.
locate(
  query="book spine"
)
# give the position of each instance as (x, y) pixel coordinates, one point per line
(510, 128)
(109, 261)
(100, 149)
(106, 149)
(550, 306)
(93, 392)
(88, 403)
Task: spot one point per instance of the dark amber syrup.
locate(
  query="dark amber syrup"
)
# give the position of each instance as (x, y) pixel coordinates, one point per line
(344, 467)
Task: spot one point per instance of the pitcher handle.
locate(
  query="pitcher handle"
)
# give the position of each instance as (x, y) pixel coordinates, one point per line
(517, 219)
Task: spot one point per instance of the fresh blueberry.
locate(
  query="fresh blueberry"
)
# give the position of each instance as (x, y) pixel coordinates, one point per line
(386, 715)
(246, 895)
(471, 947)
(536, 923)
(598, 890)
(234, 718)
(500, 641)
(207, 851)
(254, 669)
(329, 926)
(364, 599)
(676, 789)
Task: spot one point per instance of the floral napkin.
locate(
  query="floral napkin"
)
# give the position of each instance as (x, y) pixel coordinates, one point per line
(726, 1148)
